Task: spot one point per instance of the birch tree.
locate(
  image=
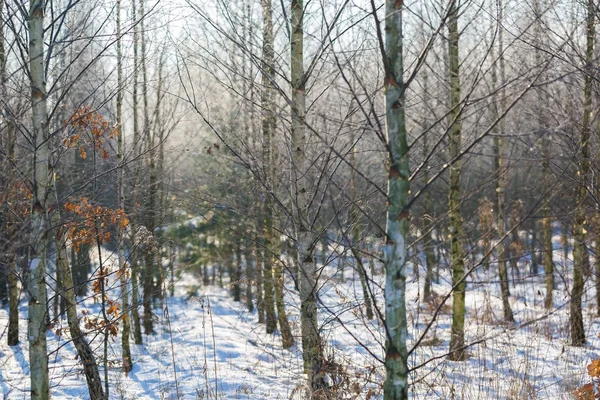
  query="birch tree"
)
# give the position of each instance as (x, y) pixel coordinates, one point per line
(135, 316)
(312, 351)
(395, 254)
(36, 288)
(500, 167)
(268, 126)
(126, 331)
(457, 338)
(580, 227)
(9, 217)
(547, 250)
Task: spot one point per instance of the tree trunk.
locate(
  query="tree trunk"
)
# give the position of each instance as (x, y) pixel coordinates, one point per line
(148, 282)
(311, 341)
(5, 184)
(260, 304)
(579, 228)
(237, 273)
(457, 338)
(135, 315)
(268, 125)
(546, 222)
(395, 252)
(11, 246)
(36, 327)
(150, 269)
(354, 220)
(84, 351)
(532, 249)
(547, 248)
(501, 176)
(427, 208)
(250, 272)
(126, 351)
(287, 339)
(516, 246)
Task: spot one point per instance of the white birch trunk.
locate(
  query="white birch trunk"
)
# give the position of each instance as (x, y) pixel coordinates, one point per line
(395, 255)
(311, 342)
(36, 327)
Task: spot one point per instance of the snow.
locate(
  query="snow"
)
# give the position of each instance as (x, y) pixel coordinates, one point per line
(207, 346)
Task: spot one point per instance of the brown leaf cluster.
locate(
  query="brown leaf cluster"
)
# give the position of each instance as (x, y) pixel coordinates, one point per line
(93, 223)
(90, 130)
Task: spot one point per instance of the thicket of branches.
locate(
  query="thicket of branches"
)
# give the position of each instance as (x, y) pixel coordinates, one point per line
(276, 148)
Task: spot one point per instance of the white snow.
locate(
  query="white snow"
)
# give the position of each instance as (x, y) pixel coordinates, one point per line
(211, 347)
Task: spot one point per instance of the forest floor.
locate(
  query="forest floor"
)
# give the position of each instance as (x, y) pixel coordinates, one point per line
(207, 346)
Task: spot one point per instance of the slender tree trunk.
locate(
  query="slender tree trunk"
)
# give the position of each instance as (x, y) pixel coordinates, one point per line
(11, 247)
(486, 221)
(84, 351)
(157, 187)
(395, 252)
(36, 326)
(547, 238)
(427, 207)
(311, 341)
(547, 261)
(354, 218)
(250, 272)
(580, 229)
(457, 338)
(501, 177)
(533, 250)
(135, 315)
(268, 125)
(237, 273)
(13, 299)
(260, 304)
(597, 268)
(362, 273)
(5, 244)
(150, 267)
(126, 351)
(287, 339)
(517, 247)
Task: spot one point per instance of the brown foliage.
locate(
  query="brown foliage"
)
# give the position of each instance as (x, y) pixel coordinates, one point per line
(93, 223)
(590, 391)
(90, 129)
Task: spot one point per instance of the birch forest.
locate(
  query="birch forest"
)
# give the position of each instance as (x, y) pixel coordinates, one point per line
(299, 199)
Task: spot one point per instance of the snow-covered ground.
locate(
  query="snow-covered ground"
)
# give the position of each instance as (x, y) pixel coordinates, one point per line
(207, 346)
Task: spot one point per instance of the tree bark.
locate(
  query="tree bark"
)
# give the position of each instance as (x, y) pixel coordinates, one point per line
(250, 276)
(237, 273)
(84, 351)
(126, 351)
(457, 338)
(580, 227)
(546, 222)
(36, 326)
(354, 220)
(151, 267)
(268, 125)
(287, 339)
(427, 207)
(260, 304)
(5, 165)
(533, 250)
(11, 247)
(501, 176)
(137, 329)
(395, 252)
(312, 351)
